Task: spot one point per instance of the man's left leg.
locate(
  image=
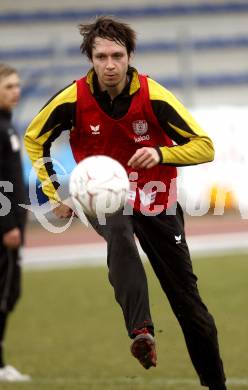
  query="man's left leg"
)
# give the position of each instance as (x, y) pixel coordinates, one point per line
(162, 238)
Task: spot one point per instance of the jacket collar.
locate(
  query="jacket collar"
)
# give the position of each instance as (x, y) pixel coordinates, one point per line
(5, 114)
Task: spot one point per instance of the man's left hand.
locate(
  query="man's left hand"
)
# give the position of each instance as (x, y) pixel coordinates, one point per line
(145, 158)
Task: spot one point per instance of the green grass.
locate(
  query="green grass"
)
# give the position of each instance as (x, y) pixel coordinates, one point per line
(68, 333)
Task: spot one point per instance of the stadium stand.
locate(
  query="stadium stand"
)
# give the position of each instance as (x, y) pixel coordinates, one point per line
(198, 49)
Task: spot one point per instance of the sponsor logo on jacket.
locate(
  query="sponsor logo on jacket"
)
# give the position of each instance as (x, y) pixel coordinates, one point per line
(140, 127)
(142, 138)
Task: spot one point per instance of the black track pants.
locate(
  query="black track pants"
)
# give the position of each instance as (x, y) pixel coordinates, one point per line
(162, 238)
(126, 271)
(10, 278)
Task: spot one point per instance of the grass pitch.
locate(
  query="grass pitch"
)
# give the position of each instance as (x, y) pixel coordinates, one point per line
(68, 333)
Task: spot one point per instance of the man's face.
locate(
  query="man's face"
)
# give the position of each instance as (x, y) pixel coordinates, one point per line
(110, 61)
(9, 91)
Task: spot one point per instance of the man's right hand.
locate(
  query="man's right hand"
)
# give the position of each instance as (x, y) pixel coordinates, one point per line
(12, 239)
(62, 211)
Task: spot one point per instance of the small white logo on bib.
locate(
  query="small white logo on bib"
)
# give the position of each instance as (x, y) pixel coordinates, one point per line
(95, 129)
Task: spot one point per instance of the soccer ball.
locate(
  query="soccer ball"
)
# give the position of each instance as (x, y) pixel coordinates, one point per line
(99, 185)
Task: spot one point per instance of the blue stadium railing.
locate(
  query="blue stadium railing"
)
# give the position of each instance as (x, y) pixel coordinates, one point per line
(125, 12)
(213, 43)
(205, 80)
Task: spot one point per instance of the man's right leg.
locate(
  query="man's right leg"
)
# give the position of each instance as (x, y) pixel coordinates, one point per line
(4, 271)
(9, 293)
(126, 271)
(9, 289)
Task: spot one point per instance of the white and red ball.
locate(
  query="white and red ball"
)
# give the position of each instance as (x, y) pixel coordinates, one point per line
(99, 185)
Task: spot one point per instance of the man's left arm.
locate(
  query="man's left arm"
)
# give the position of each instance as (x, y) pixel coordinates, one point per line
(192, 144)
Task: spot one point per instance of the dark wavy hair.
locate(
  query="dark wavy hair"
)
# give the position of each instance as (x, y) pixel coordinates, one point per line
(109, 28)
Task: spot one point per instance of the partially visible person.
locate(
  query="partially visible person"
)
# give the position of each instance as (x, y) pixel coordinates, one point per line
(12, 216)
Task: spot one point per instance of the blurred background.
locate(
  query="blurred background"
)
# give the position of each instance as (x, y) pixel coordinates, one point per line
(199, 50)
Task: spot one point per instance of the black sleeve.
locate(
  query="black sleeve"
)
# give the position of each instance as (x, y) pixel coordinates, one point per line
(7, 222)
(11, 171)
(164, 110)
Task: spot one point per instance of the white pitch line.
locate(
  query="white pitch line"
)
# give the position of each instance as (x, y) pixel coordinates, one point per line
(95, 253)
(234, 382)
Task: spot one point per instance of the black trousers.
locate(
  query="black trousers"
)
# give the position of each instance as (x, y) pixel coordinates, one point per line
(162, 238)
(10, 278)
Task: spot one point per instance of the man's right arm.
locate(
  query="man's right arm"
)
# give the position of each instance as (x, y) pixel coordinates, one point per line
(56, 116)
(9, 231)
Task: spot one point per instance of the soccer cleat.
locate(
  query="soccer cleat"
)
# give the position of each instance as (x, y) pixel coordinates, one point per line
(143, 349)
(10, 374)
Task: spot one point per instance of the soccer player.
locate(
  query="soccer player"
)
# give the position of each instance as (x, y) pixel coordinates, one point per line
(143, 126)
(13, 217)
